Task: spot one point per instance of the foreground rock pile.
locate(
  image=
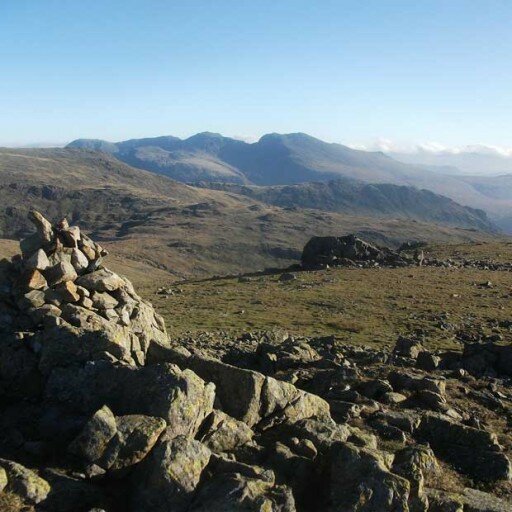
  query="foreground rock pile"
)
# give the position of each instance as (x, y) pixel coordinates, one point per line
(99, 411)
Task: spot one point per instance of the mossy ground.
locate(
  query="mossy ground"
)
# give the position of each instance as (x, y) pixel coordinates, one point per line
(358, 306)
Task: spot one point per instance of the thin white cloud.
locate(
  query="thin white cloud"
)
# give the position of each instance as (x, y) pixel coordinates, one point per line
(431, 147)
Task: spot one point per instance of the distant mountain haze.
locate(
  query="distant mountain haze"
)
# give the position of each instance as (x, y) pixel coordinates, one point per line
(480, 160)
(277, 159)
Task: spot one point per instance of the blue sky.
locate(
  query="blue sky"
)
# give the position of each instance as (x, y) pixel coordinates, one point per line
(345, 71)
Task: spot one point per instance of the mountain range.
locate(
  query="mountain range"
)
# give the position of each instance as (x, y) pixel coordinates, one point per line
(185, 230)
(277, 159)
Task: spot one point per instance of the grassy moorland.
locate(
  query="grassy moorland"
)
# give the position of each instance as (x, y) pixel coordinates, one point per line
(368, 306)
(358, 306)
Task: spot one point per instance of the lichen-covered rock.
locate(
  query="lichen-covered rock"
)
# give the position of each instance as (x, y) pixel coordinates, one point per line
(61, 276)
(234, 492)
(238, 390)
(361, 481)
(24, 482)
(473, 451)
(180, 397)
(413, 463)
(221, 433)
(252, 397)
(169, 476)
(91, 443)
(135, 436)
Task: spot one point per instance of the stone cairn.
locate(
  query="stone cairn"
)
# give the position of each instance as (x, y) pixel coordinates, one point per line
(59, 281)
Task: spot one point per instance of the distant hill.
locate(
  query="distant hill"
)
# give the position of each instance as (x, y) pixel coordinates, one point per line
(358, 198)
(292, 159)
(175, 228)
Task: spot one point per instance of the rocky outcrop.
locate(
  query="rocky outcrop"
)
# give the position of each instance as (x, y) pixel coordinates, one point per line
(100, 411)
(347, 250)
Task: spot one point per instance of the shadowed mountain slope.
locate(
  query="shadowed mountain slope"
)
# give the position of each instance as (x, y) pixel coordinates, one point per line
(358, 198)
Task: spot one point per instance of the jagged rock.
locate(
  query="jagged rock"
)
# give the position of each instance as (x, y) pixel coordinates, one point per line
(412, 463)
(95, 436)
(223, 433)
(430, 400)
(440, 501)
(135, 436)
(428, 361)
(487, 359)
(31, 279)
(322, 433)
(296, 471)
(38, 261)
(374, 389)
(392, 398)
(235, 492)
(79, 260)
(406, 347)
(60, 273)
(331, 250)
(169, 476)
(181, 398)
(478, 501)
(67, 292)
(32, 299)
(250, 397)
(43, 226)
(411, 382)
(361, 481)
(24, 482)
(304, 447)
(68, 345)
(103, 301)
(288, 354)
(469, 500)
(101, 281)
(239, 391)
(408, 422)
(473, 451)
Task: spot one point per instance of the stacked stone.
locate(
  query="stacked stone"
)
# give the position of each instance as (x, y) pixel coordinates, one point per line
(61, 281)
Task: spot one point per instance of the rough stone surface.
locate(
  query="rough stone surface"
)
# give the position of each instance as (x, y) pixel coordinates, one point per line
(169, 476)
(25, 482)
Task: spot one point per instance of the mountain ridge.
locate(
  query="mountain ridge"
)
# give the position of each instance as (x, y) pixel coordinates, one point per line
(354, 197)
(288, 159)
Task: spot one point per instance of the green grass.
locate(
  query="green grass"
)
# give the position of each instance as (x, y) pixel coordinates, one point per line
(358, 306)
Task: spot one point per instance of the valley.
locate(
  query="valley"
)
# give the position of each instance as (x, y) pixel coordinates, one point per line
(193, 231)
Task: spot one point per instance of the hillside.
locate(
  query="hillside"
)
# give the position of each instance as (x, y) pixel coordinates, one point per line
(182, 230)
(343, 380)
(278, 159)
(358, 198)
